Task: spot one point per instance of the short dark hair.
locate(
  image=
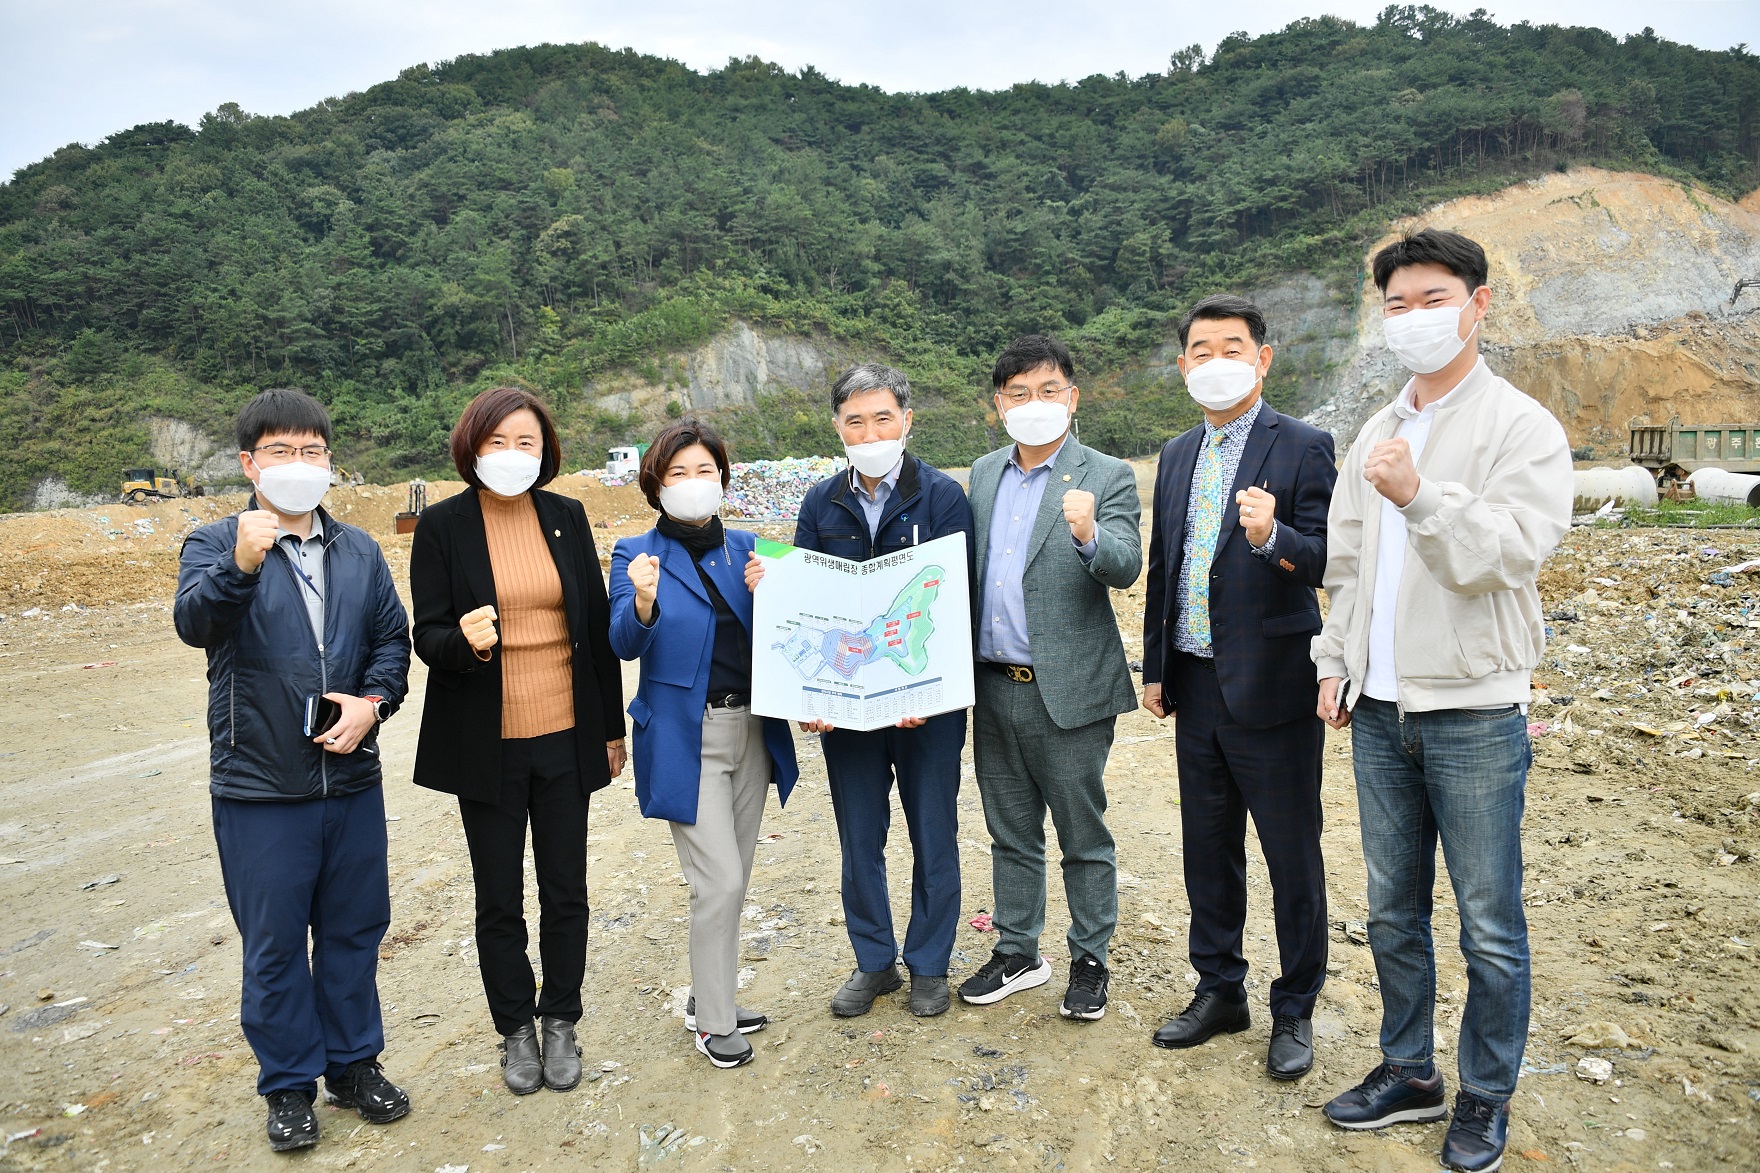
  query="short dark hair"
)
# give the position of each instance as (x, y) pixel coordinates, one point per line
(485, 414)
(1219, 306)
(281, 411)
(1029, 352)
(670, 443)
(1460, 255)
(871, 376)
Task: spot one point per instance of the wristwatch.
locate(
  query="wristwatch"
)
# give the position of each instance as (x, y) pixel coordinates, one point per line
(381, 707)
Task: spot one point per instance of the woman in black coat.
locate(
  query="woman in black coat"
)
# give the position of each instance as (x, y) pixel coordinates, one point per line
(524, 712)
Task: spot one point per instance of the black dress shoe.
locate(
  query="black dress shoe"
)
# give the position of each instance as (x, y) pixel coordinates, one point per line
(1291, 1054)
(1207, 1016)
(292, 1123)
(363, 1087)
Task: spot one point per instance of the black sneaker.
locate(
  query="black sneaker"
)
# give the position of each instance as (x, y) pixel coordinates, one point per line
(1086, 996)
(292, 1123)
(1002, 975)
(361, 1086)
(1477, 1135)
(1389, 1095)
(746, 1021)
(724, 1050)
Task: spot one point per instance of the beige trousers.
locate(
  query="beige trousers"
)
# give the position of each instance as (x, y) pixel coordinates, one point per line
(715, 854)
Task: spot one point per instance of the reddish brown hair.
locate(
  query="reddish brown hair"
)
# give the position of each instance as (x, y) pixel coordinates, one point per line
(670, 443)
(485, 414)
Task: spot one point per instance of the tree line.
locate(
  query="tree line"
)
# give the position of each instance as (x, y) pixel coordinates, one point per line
(560, 213)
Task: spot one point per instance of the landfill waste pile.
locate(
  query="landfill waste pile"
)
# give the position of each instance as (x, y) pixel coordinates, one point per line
(765, 490)
(1652, 666)
(772, 489)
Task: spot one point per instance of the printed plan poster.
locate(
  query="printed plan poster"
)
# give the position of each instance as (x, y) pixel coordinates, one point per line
(862, 644)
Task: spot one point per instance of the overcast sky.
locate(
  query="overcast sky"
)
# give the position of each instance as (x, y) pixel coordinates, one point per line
(78, 70)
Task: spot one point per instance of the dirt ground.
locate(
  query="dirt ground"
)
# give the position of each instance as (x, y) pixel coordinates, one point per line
(119, 964)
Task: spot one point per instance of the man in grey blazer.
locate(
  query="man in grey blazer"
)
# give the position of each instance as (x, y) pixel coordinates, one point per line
(1055, 529)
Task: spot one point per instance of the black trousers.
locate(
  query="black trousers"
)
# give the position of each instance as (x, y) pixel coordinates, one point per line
(1227, 771)
(540, 784)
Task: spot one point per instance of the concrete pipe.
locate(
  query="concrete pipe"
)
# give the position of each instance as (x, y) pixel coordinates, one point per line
(1626, 486)
(1725, 488)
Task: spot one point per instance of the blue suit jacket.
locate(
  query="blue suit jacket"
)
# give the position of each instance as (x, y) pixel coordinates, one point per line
(1262, 613)
(667, 712)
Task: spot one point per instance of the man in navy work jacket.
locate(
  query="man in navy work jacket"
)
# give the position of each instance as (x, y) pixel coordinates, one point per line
(1237, 546)
(295, 609)
(886, 500)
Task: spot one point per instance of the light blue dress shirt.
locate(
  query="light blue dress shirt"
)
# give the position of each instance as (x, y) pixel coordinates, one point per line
(1002, 627)
(307, 556)
(875, 505)
(1234, 446)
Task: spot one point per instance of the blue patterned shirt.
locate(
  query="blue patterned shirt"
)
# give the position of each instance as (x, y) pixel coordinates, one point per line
(1234, 443)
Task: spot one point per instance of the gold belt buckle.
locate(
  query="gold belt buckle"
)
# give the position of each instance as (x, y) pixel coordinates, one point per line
(1019, 673)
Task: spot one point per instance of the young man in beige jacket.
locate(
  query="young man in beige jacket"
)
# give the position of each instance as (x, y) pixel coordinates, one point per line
(1447, 504)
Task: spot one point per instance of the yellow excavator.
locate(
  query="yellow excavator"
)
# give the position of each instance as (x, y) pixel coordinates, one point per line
(142, 486)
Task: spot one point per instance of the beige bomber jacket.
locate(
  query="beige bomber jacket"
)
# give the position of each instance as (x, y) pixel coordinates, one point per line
(1493, 501)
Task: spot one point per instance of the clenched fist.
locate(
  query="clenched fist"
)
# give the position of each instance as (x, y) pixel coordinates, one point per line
(1078, 510)
(256, 534)
(1390, 469)
(1258, 513)
(479, 630)
(644, 574)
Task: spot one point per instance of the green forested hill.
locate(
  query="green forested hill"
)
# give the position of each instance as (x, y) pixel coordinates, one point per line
(557, 213)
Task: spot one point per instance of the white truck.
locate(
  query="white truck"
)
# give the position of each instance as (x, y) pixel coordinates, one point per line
(624, 461)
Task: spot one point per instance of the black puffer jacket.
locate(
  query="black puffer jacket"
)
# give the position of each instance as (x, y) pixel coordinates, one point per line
(263, 661)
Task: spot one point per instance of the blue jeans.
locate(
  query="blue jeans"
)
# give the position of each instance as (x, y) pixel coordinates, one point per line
(1458, 775)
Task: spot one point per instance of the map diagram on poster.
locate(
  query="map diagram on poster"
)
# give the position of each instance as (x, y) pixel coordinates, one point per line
(862, 644)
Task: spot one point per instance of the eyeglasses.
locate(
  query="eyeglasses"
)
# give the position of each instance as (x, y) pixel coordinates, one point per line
(1044, 394)
(311, 453)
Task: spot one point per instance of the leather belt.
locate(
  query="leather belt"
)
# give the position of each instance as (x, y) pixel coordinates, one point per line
(1207, 663)
(1018, 673)
(732, 700)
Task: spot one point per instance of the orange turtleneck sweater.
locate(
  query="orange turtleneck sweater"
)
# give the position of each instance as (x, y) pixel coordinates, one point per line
(537, 664)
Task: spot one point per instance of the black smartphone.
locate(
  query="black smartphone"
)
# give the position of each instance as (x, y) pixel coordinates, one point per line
(321, 713)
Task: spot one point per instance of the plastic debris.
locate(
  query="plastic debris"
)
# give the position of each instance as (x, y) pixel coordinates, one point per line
(1593, 1069)
(981, 922)
(772, 489)
(99, 882)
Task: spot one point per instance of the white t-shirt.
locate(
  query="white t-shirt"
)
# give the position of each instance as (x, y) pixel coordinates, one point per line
(1382, 681)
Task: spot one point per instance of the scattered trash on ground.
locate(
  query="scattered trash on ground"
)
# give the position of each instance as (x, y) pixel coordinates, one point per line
(772, 489)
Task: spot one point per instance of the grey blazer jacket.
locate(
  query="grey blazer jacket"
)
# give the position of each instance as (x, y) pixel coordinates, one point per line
(1078, 657)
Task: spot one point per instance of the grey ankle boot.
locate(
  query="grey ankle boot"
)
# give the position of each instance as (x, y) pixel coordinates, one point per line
(522, 1070)
(858, 993)
(562, 1055)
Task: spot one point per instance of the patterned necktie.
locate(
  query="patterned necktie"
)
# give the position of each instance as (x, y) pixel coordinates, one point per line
(1206, 522)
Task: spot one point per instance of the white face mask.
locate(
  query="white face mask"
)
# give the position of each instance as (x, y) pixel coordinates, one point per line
(293, 488)
(508, 473)
(692, 499)
(1221, 383)
(875, 458)
(1036, 422)
(1425, 341)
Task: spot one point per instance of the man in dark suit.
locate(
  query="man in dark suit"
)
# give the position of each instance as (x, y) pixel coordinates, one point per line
(1237, 546)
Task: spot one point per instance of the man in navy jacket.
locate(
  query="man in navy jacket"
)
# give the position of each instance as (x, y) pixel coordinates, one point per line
(295, 608)
(1237, 547)
(886, 500)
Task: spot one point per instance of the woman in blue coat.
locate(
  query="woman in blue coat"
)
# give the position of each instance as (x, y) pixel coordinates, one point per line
(703, 761)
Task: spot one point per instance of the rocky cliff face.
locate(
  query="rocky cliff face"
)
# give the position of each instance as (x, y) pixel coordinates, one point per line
(1611, 304)
(731, 370)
